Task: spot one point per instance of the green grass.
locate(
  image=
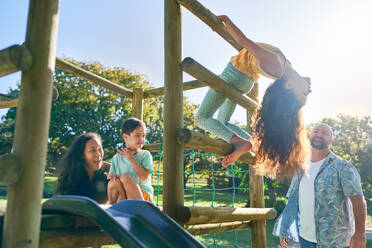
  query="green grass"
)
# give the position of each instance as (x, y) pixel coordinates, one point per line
(238, 238)
(369, 221)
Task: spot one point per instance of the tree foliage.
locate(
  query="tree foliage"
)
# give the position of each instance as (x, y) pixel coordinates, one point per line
(85, 107)
(352, 135)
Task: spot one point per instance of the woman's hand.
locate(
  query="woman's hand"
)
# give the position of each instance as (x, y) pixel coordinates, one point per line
(224, 18)
(227, 23)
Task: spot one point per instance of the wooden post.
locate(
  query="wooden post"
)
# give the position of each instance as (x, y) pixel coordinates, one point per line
(256, 191)
(137, 103)
(203, 74)
(210, 19)
(22, 219)
(14, 58)
(91, 77)
(173, 110)
(253, 94)
(256, 196)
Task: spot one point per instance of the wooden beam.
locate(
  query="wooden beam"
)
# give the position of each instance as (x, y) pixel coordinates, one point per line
(203, 74)
(137, 103)
(22, 219)
(9, 103)
(202, 215)
(14, 102)
(156, 147)
(91, 77)
(13, 59)
(210, 19)
(218, 227)
(203, 142)
(190, 85)
(173, 110)
(153, 147)
(10, 169)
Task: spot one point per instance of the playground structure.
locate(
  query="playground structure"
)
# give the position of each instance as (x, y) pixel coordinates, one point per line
(23, 169)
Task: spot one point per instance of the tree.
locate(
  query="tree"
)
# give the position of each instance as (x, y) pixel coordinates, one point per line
(85, 107)
(351, 136)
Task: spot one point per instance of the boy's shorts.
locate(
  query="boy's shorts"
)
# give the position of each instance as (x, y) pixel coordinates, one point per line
(146, 197)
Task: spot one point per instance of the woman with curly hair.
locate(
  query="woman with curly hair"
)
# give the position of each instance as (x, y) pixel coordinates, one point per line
(278, 140)
(82, 170)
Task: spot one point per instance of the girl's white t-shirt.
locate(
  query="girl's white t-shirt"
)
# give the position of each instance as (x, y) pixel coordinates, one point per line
(306, 202)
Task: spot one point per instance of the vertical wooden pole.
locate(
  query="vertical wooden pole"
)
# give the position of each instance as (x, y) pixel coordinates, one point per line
(22, 219)
(137, 103)
(256, 191)
(173, 110)
(253, 94)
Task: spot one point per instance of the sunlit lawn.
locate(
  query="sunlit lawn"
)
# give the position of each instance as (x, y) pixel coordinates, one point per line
(203, 196)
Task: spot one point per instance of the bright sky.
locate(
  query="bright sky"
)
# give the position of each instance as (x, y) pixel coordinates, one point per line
(330, 41)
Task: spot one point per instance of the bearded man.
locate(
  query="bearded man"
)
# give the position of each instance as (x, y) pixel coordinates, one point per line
(326, 206)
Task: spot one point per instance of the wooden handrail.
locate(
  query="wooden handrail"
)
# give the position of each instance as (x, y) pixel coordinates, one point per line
(91, 77)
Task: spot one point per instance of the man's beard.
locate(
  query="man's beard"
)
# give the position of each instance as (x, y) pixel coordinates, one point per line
(320, 145)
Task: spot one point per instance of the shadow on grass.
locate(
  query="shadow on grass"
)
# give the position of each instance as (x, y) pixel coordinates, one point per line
(238, 238)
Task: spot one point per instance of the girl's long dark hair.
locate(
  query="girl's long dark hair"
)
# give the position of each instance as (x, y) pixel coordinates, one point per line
(72, 176)
(279, 136)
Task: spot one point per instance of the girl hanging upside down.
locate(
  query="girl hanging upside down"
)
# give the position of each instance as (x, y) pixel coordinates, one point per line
(279, 138)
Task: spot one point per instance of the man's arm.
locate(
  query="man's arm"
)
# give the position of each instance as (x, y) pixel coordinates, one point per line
(358, 240)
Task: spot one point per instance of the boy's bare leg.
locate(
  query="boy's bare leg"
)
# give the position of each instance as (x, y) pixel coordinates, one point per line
(131, 187)
(115, 191)
(241, 146)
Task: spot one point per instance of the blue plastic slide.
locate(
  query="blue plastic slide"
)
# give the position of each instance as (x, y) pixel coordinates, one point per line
(130, 223)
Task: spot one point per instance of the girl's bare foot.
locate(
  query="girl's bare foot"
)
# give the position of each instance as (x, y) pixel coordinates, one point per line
(241, 146)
